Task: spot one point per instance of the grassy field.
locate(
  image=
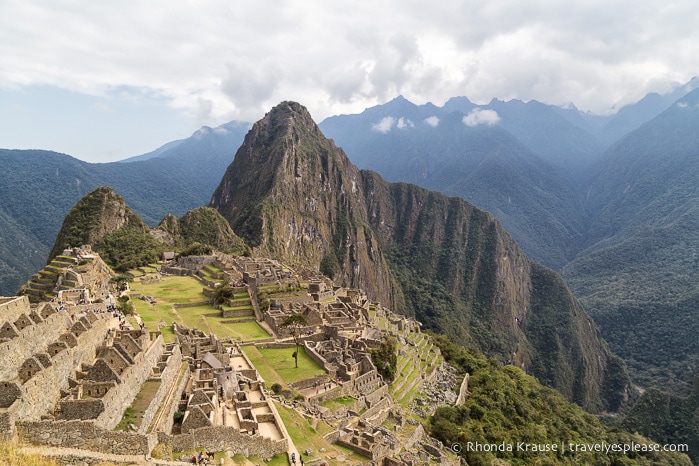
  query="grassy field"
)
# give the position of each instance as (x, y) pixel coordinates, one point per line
(276, 365)
(134, 413)
(187, 290)
(10, 454)
(338, 403)
(172, 290)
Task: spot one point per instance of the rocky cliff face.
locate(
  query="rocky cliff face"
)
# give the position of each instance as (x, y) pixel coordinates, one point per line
(293, 195)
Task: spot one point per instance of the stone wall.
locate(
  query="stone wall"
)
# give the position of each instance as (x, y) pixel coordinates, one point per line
(42, 391)
(364, 447)
(186, 305)
(309, 383)
(415, 437)
(368, 382)
(6, 426)
(333, 393)
(169, 421)
(174, 361)
(86, 435)
(320, 360)
(226, 313)
(374, 397)
(121, 396)
(374, 410)
(29, 340)
(12, 306)
(176, 271)
(218, 438)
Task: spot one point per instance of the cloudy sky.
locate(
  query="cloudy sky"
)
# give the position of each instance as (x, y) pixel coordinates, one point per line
(106, 80)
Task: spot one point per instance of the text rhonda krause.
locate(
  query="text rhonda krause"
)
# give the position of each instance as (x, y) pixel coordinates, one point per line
(602, 447)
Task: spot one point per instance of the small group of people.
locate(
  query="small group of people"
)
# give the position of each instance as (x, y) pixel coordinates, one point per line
(293, 458)
(199, 459)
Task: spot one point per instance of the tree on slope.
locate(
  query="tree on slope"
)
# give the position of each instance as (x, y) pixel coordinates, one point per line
(295, 322)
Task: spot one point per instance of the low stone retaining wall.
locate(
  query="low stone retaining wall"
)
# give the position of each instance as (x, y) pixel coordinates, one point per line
(85, 435)
(185, 305)
(220, 438)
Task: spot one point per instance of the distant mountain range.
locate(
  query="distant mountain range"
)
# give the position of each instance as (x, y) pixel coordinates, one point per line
(554, 177)
(292, 195)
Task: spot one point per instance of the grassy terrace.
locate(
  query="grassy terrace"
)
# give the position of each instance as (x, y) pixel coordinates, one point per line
(188, 290)
(276, 365)
(134, 413)
(337, 403)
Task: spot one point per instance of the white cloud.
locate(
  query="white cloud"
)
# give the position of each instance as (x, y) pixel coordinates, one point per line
(682, 104)
(432, 121)
(216, 62)
(385, 125)
(404, 123)
(478, 116)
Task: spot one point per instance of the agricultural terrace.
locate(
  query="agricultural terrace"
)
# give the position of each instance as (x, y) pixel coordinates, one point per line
(173, 292)
(276, 365)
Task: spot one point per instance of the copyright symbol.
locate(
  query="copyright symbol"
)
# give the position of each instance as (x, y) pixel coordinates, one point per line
(456, 447)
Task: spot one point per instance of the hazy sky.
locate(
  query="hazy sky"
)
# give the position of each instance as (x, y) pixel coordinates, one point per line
(106, 80)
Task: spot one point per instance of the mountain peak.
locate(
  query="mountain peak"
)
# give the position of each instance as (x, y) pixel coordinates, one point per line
(293, 195)
(98, 214)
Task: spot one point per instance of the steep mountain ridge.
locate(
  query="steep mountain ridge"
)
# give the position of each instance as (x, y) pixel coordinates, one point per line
(294, 196)
(38, 188)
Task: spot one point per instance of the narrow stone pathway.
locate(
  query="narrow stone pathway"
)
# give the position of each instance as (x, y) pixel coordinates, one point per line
(54, 452)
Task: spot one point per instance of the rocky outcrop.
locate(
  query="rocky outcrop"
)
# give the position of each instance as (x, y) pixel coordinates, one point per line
(202, 225)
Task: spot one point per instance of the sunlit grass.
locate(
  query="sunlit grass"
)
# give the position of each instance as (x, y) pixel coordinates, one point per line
(172, 290)
(276, 365)
(9, 454)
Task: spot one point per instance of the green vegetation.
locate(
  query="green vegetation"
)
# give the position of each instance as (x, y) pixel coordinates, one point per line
(448, 275)
(125, 305)
(171, 291)
(506, 406)
(200, 230)
(667, 418)
(128, 248)
(222, 294)
(341, 402)
(275, 364)
(305, 436)
(385, 358)
(134, 413)
(295, 322)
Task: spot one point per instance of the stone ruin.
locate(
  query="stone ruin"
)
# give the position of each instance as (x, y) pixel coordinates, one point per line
(225, 396)
(95, 371)
(39, 350)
